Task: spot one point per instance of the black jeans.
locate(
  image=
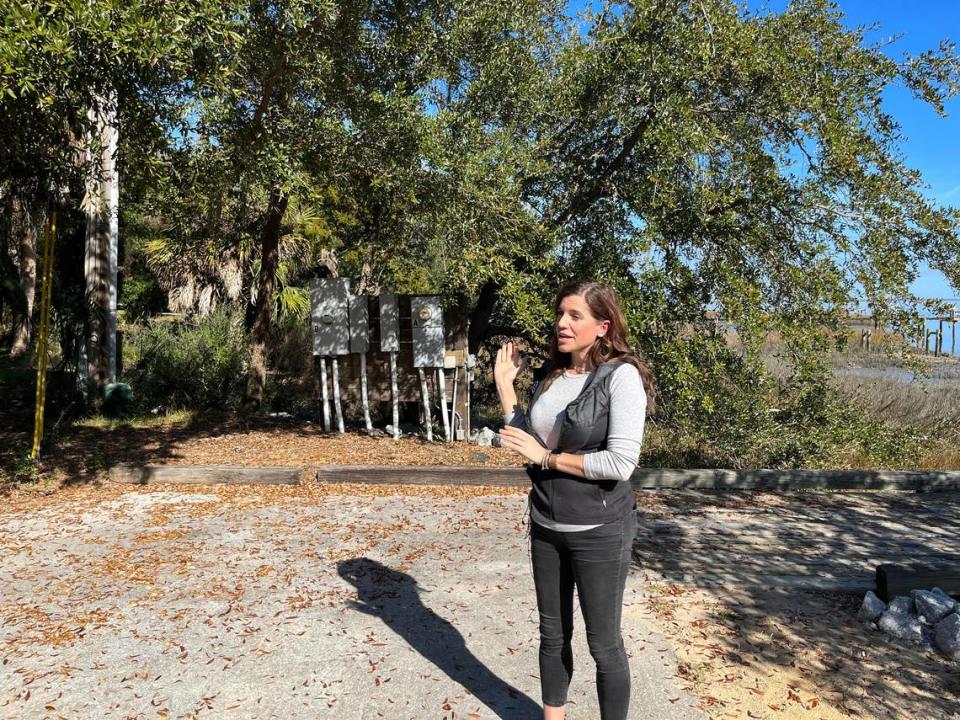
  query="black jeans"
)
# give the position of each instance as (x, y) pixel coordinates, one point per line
(597, 562)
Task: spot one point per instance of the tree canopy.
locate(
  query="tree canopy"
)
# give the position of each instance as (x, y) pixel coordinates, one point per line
(704, 159)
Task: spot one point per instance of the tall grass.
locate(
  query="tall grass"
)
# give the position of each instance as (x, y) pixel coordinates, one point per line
(193, 365)
(897, 396)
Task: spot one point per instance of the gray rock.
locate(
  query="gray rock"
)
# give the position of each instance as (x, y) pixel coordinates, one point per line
(872, 607)
(932, 606)
(481, 457)
(217, 609)
(948, 636)
(485, 437)
(938, 591)
(901, 604)
(902, 626)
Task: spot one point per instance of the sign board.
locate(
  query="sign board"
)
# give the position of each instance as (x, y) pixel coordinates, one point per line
(389, 323)
(330, 316)
(359, 323)
(426, 318)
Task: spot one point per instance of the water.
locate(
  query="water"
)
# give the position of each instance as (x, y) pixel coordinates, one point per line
(949, 339)
(895, 374)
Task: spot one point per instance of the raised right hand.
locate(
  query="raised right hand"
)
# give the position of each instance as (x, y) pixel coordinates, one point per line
(508, 364)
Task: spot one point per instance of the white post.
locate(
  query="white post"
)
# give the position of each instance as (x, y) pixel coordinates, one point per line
(394, 393)
(323, 394)
(442, 388)
(453, 407)
(336, 394)
(424, 393)
(467, 377)
(363, 392)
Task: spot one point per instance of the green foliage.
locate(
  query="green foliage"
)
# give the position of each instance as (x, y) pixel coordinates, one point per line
(142, 297)
(24, 469)
(196, 365)
(704, 159)
(59, 59)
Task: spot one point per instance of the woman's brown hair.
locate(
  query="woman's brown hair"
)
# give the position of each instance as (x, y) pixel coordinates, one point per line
(604, 305)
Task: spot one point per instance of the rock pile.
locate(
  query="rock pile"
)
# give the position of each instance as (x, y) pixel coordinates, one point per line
(488, 437)
(926, 618)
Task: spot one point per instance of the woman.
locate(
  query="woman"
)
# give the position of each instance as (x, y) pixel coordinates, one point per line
(581, 433)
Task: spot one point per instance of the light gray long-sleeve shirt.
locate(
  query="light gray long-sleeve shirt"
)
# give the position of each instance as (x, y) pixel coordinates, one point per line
(628, 409)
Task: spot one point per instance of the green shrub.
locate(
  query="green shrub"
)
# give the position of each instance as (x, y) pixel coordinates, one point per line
(196, 365)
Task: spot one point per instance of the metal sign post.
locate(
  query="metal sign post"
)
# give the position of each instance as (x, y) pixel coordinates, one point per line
(426, 314)
(442, 392)
(360, 344)
(454, 415)
(330, 319)
(390, 342)
(468, 373)
(323, 394)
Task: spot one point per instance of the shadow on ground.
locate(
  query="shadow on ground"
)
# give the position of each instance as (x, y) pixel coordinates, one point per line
(78, 454)
(760, 556)
(394, 597)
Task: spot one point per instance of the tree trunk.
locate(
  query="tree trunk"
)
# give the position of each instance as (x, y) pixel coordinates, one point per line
(26, 232)
(100, 261)
(480, 315)
(11, 294)
(263, 314)
(111, 195)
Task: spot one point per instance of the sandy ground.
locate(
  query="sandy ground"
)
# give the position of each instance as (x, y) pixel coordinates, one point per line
(744, 654)
(751, 652)
(289, 602)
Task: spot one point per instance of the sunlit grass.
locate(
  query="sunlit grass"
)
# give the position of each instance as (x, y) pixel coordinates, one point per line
(171, 418)
(932, 403)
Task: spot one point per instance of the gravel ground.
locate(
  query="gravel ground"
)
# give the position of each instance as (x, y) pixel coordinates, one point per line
(278, 604)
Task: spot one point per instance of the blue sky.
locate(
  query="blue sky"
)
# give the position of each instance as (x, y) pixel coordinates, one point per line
(931, 144)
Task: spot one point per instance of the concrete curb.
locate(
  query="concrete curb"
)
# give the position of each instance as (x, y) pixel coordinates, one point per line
(643, 478)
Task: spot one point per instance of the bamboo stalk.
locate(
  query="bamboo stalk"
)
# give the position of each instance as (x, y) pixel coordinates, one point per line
(42, 340)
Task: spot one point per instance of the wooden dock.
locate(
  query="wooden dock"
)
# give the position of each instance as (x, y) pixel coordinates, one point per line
(794, 541)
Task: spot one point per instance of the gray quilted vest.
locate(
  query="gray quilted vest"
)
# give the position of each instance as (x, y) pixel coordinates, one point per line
(568, 498)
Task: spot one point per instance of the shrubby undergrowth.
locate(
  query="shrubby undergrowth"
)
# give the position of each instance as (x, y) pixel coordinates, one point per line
(198, 364)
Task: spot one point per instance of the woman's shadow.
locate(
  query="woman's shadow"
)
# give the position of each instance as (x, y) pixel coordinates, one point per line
(394, 597)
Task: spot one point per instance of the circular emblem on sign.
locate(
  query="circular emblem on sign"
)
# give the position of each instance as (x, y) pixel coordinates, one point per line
(425, 313)
(326, 318)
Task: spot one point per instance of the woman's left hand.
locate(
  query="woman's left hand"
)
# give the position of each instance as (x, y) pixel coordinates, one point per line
(522, 442)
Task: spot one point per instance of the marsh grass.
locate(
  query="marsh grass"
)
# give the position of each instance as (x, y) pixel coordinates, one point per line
(897, 396)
